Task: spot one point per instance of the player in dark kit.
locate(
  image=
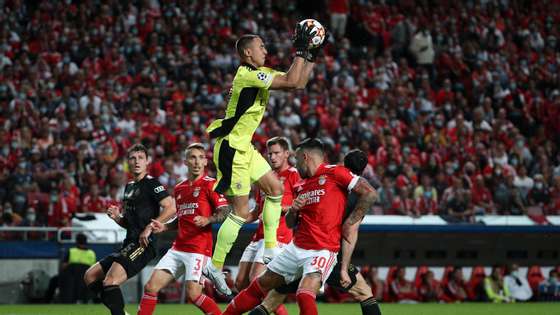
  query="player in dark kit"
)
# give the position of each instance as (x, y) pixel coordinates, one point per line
(346, 278)
(143, 198)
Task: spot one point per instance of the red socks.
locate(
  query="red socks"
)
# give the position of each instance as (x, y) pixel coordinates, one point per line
(306, 302)
(147, 304)
(207, 305)
(281, 310)
(246, 300)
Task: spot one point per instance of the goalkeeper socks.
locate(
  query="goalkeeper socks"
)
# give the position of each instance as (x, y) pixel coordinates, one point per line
(113, 299)
(96, 287)
(207, 305)
(259, 310)
(147, 304)
(306, 302)
(370, 307)
(226, 237)
(271, 218)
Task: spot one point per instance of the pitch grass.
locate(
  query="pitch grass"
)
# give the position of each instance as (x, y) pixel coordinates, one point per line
(324, 309)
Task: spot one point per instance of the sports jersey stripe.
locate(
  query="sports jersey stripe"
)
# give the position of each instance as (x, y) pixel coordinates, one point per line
(246, 99)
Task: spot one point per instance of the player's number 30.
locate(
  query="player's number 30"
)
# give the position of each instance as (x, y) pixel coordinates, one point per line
(319, 262)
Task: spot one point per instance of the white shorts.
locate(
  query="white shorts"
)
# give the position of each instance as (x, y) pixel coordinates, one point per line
(255, 251)
(294, 263)
(179, 263)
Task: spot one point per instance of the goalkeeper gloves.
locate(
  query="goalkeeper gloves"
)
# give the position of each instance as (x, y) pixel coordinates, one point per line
(302, 37)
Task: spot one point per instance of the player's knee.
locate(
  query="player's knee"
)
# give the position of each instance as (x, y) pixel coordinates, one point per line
(277, 189)
(193, 296)
(149, 287)
(108, 281)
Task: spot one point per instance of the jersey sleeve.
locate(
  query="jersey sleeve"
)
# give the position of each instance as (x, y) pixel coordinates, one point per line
(289, 184)
(261, 78)
(158, 191)
(216, 199)
(344, 178)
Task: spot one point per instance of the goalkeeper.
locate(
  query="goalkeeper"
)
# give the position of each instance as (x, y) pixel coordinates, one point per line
(238, 163)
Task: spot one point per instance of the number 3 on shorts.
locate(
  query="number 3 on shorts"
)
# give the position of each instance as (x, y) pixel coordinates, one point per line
(197, 265)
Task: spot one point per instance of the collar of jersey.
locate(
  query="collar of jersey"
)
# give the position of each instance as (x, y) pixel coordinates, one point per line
(250, 66)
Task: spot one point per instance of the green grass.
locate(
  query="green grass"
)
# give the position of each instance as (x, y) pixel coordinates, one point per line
(324, 309)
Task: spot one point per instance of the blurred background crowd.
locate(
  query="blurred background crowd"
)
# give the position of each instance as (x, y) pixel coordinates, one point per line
(456, 104)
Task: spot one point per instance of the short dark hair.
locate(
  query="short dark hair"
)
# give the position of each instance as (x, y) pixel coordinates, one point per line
(81, 239)
(356, 161)
(196, 145)
(137, 148)
(243, 42)
(281, 141)
(311, 144)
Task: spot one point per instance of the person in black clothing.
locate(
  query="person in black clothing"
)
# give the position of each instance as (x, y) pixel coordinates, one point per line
(346, 279)
(142, 200)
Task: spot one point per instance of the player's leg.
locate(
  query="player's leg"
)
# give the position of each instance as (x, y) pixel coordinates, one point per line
(253, 295)
(361, 291)
(307, 291)
(272, 209)
(281, 269)
(111, 295)
(158, 280)
(93, 278)
(272, 303)
(205, 303)
(242, 280)
(235, 182)
(193, 265)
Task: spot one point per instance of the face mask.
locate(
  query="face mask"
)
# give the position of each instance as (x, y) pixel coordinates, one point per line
(539, 185)
(428, 194)
(392, 167)
(449, 171)
(31, 217)
(195, 119)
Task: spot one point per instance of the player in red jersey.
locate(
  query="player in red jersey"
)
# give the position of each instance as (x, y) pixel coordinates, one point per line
(319, 209)
(198, 206)
(252, 264)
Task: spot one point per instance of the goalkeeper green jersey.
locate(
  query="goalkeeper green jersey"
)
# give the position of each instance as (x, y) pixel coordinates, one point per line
(246, 106)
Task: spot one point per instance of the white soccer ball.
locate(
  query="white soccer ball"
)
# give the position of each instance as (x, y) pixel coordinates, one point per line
(320, 32)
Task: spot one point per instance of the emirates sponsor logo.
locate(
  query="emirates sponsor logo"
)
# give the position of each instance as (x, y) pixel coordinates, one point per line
(313, 196)
(187, 208)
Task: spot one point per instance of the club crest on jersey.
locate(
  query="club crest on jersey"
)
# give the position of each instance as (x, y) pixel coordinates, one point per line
(322, 180)
(196, 192)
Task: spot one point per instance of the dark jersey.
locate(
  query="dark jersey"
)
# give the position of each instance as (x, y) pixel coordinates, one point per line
(141, 205)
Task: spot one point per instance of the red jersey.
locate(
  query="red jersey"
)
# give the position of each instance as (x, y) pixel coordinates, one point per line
(320, 219)
(196, 199)
(289, 178)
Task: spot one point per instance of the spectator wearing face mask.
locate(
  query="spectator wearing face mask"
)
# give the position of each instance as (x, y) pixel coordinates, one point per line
(517, 285)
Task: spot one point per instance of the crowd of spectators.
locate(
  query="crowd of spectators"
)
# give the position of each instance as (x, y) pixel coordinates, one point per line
(500, 285)
(457, 104)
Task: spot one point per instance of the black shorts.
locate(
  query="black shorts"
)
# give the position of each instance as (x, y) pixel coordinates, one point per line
(333, 280)
(132, 257)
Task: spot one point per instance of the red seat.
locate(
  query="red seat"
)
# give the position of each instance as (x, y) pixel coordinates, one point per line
(534, 277)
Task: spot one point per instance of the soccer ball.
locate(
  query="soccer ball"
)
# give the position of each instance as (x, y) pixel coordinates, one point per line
(320, 32)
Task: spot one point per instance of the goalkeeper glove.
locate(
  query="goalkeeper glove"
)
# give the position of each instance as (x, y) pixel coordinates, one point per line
(302, 37)
(312, 53)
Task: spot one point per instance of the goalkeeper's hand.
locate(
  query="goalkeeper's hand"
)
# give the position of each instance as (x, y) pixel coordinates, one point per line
(302, 37)
(312, 53)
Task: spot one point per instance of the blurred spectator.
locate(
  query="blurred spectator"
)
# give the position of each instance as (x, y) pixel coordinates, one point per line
(422, 48)
(456, 288)
(549, 289)
(508, 197)
(429, 289)
(400, 289)
(93, 202)
(339, 10)
(482, 197)
(494, 287)
(403, 204)
(517, 285)
(456, 202)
